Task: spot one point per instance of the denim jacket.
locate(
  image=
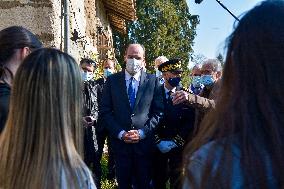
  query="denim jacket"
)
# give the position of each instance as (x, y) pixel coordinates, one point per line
(200, 158)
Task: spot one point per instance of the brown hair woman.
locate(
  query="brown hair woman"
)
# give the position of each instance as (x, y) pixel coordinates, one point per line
(241, 143)
(16, 43)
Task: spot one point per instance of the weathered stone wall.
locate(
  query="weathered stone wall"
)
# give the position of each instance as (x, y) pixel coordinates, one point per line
(36, 15)
(101, 14)
(43, 17)
(81, 45)
(91, 19)
(105, 41)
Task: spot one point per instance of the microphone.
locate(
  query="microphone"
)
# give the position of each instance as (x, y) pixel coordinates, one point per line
(198, 1)
(222, 5)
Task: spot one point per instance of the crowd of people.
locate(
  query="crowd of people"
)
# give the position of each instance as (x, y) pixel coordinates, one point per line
(222, 131)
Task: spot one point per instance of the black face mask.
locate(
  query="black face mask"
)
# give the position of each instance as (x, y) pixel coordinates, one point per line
(174, 82)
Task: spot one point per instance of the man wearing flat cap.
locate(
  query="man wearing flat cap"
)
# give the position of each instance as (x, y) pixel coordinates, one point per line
(173, 131)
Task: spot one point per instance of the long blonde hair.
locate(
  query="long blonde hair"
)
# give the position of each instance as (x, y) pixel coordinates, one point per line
(43, 132)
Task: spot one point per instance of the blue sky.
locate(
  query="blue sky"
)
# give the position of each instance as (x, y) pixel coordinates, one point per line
(216, 23)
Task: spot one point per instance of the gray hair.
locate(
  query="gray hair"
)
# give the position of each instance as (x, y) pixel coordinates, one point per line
(217, 67)
(160, 60)
(197, 66)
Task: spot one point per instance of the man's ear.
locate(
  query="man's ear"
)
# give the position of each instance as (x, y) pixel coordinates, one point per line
(144, 62)
(218, 74)
(164, 74)
(125, 58)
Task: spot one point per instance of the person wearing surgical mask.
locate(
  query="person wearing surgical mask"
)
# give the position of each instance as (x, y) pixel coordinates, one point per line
(90, 115)
(87, 69)
(196, 85)
(158, 62)
(109, 67)
(210, 78)
(173, 131)
(210, 73)
(102, 135)
(131, 109)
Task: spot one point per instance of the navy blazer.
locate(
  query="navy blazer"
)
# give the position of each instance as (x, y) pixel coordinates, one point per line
(117, 115)
(177, 124)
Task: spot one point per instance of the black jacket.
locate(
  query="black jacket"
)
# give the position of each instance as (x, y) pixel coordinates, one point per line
(5, 92)
(90, 97)
(177, 124)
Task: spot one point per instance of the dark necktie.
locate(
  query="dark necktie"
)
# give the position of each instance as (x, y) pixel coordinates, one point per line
(169, 98)
(131, 93)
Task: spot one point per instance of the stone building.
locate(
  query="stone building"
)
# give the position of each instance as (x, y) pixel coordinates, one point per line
(91, 22)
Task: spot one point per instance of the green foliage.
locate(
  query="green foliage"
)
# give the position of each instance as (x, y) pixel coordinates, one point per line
(104, 161)
(164, 27)
(186, 79)
(106, 184)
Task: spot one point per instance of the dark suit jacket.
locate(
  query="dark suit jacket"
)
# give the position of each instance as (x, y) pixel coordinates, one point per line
(117, 115)
(100, 124)
(177, 124)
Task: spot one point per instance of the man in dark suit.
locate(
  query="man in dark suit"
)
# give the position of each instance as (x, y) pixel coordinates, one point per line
(174, 130)
(131, 108)
(101, 131)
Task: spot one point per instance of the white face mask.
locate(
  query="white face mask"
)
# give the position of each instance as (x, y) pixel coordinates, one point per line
(87, 76)
(133, 66)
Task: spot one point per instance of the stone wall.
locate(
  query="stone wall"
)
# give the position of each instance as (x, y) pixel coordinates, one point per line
(104, 39)
(43, 17)
(36, 15)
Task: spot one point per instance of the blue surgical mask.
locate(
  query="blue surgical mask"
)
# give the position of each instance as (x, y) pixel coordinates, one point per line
(207, 80)
(174, 82)
(196, 81)
(107, 72)
(87, 76)
(158, 72)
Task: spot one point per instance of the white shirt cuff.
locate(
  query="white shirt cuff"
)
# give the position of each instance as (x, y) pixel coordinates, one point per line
(141, 134)
(120, 134)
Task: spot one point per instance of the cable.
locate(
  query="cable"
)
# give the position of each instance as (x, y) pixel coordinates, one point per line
(222, 5)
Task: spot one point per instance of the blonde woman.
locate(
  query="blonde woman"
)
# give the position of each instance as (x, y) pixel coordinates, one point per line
(42, 138)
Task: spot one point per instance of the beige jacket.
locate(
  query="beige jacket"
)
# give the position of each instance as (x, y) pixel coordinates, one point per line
(203, 102)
